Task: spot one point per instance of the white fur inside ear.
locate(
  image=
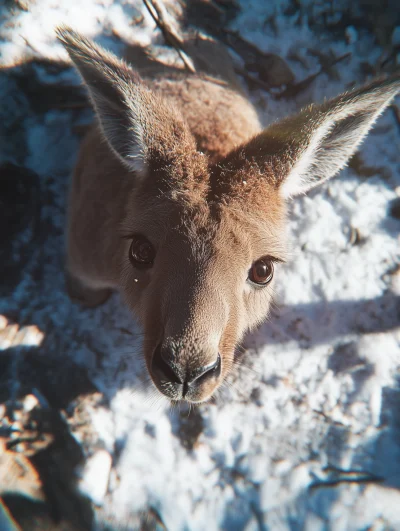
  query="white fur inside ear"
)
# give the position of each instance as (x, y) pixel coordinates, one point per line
(135, 157)
(128, 145)
(124, 133)
(331, 144)
(299, 178)
(137, 164)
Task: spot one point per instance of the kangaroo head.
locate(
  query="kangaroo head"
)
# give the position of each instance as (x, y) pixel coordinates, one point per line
(201, 242)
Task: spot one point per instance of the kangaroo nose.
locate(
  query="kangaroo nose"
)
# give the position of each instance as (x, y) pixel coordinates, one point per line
(168, 370)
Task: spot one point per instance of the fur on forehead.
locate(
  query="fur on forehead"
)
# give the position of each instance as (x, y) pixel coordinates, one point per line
(191, 182)
(209, 223)
(249, 191)
(241, 179)
(181, 177)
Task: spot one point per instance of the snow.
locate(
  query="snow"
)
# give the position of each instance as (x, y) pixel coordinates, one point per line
(318, 389)
(95, 476)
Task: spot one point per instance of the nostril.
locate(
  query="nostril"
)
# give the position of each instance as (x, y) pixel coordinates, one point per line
(163, 368)
(213, 370)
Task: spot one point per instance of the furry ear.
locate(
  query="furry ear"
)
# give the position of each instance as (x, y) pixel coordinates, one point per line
(136, 122)
(304, 150)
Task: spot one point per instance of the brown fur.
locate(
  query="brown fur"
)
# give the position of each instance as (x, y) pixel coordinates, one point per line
(183, 161)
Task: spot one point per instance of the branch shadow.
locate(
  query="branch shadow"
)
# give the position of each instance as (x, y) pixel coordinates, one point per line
(320, 322)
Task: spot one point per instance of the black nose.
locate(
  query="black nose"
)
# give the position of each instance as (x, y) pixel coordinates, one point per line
(167, 369)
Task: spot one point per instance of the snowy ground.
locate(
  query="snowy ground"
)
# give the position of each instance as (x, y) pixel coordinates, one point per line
(308, 435)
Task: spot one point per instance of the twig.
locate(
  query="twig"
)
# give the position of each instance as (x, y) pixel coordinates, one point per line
(328, 419)
(29, 44)
(335, 482)
(339, 475)
(244, 48)
(272, 69)
(216, 6)
(296, 88)
(160, 15)
(391, 56)
(252, 79)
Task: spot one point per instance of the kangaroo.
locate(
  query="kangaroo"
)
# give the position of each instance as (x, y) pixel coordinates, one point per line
(178, 200)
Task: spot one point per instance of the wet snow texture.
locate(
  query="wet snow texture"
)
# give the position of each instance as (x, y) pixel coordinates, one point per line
(308, 435)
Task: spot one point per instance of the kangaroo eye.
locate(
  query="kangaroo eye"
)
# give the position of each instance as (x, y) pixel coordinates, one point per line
(261, 272)
(141, 252)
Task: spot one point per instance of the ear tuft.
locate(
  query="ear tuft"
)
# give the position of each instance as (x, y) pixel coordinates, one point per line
(83, 51)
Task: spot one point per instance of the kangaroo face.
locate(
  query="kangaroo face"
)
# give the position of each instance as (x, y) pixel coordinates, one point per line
(202, 235)
(198, 277)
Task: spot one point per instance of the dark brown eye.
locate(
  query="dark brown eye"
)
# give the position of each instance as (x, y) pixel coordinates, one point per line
(261, 272)
(141, 252)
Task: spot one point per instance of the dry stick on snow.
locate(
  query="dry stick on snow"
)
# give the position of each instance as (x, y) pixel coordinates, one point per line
(31, 46)
(246, 49)
(271, 68)
(252, 79)
(334, 482)
(160, 17)
(292, 90)
(335, 476)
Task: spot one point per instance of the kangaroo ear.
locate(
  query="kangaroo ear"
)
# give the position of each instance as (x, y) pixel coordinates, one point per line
(303, 151)
(136, 122)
